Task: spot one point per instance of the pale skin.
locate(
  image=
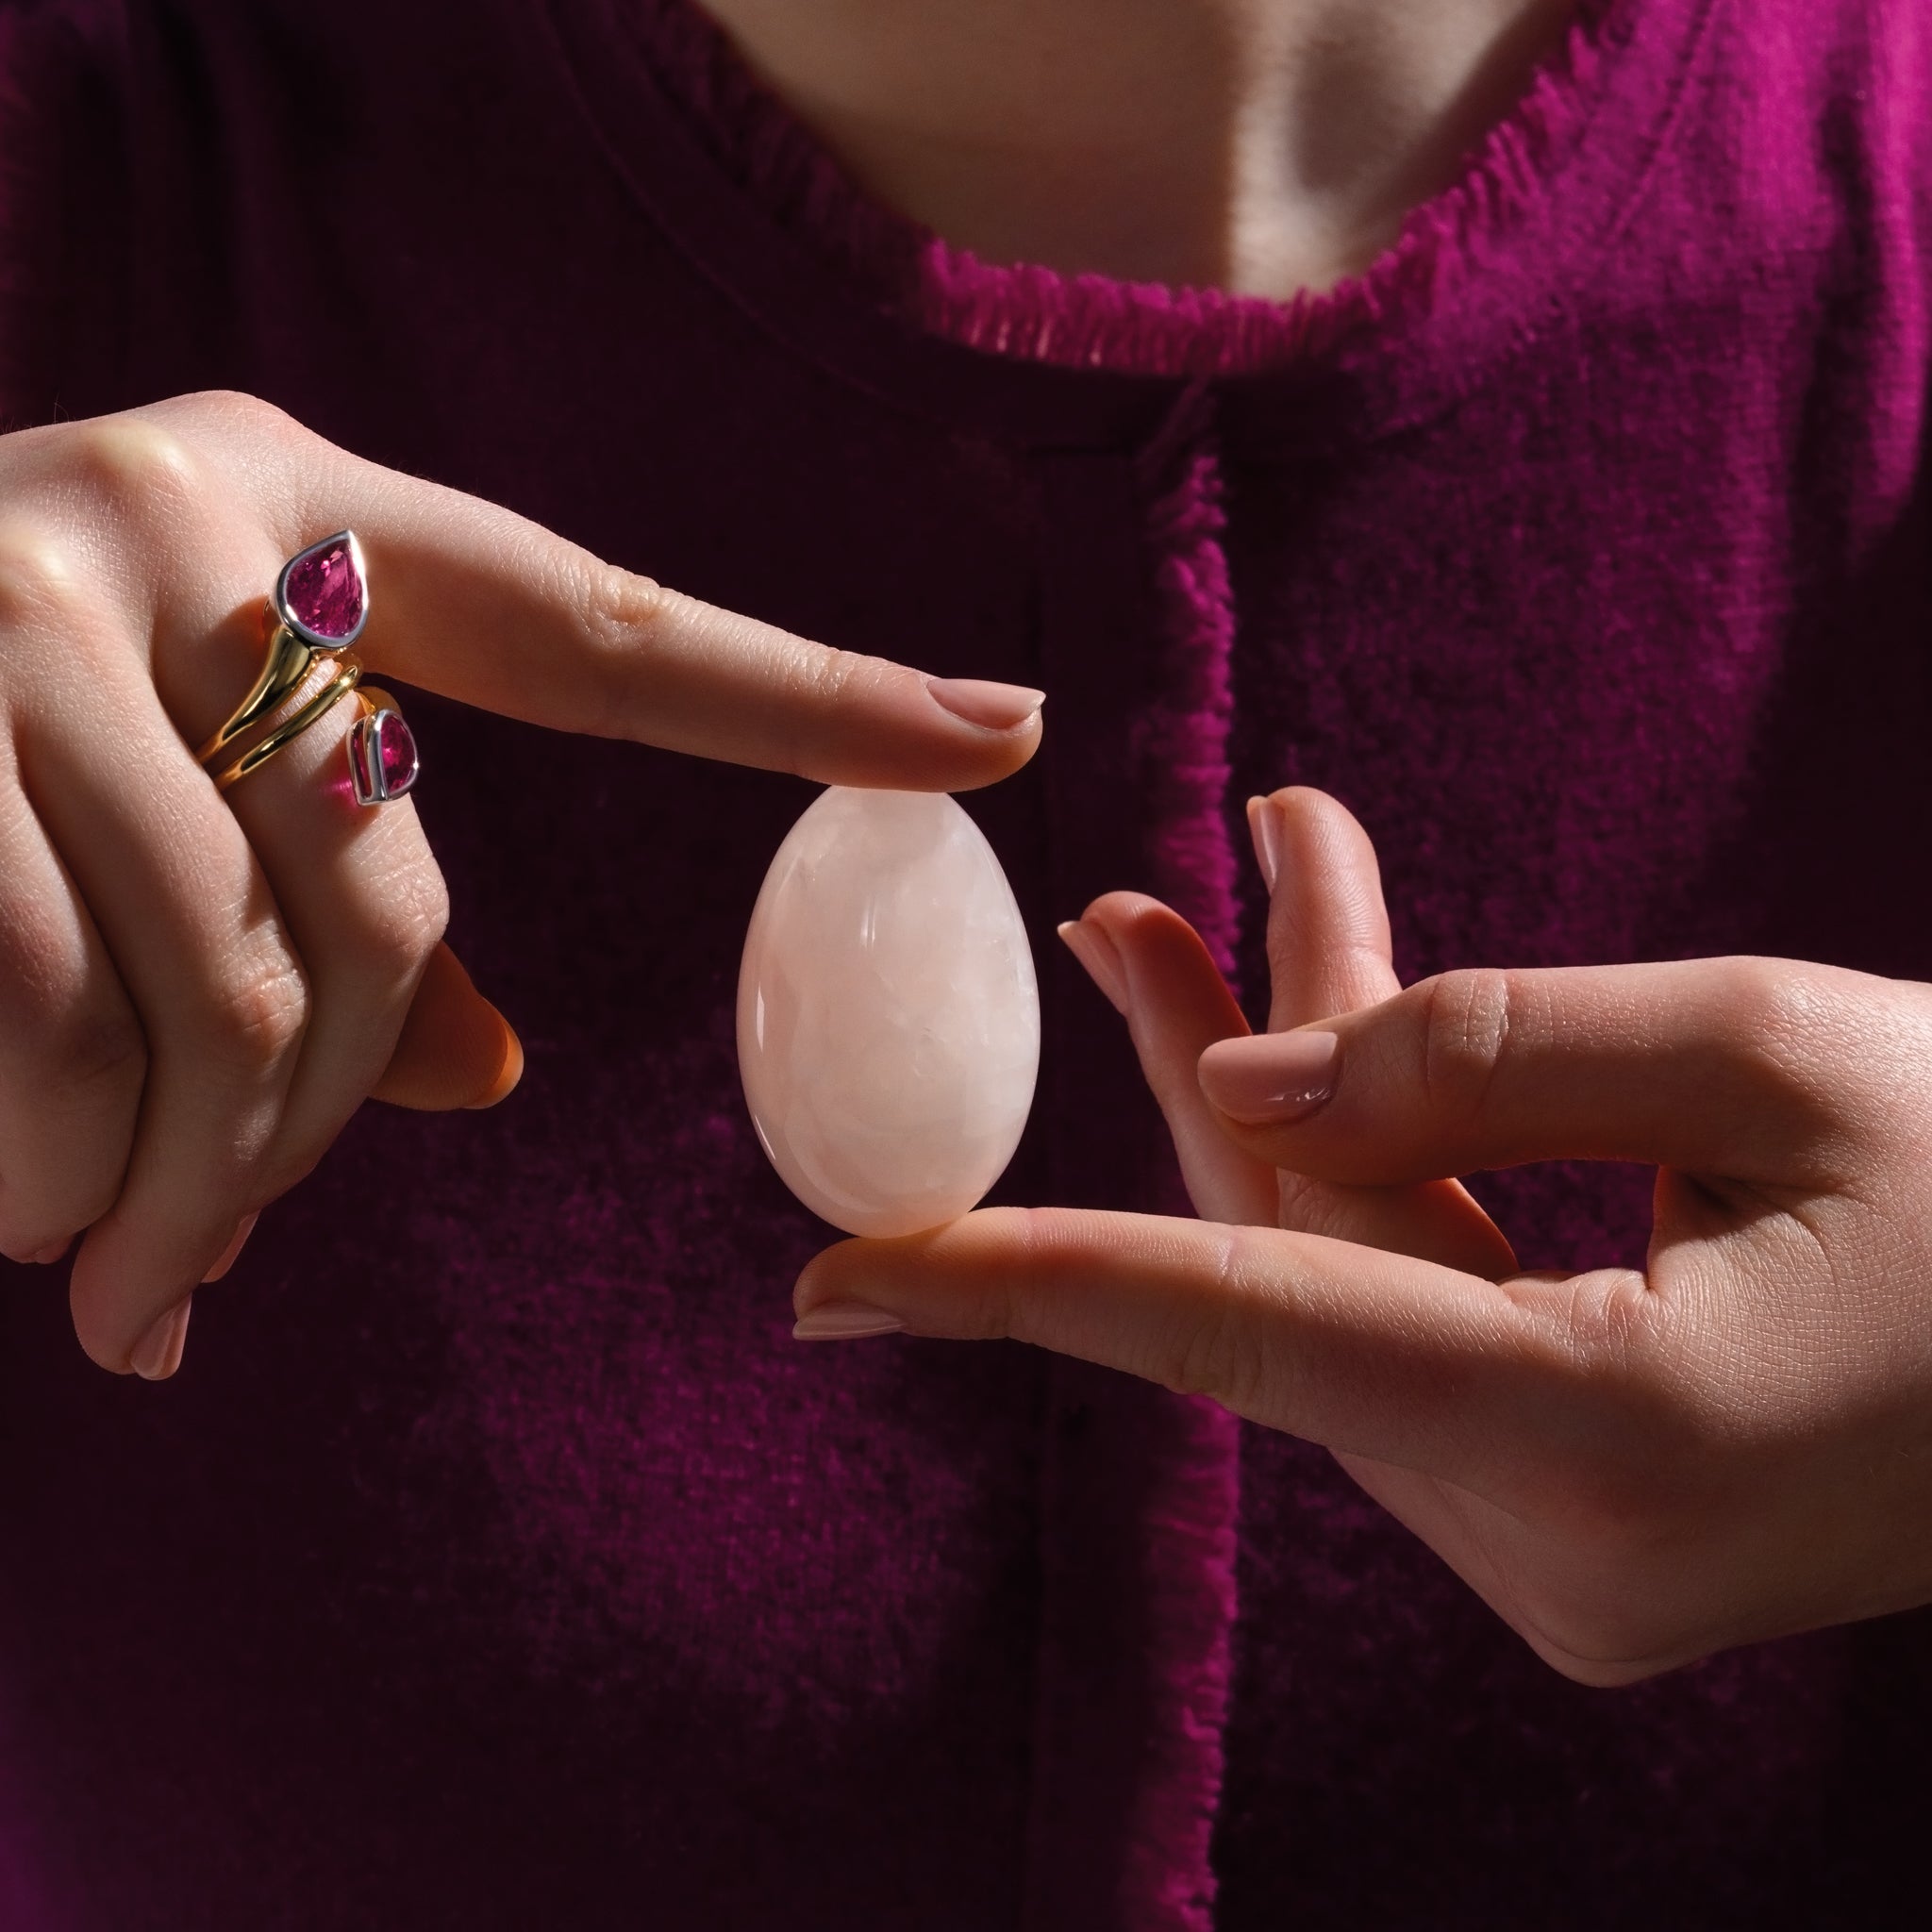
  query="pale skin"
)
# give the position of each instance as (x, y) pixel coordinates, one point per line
(1265, 146)
(198, 990)
(1634, 1469)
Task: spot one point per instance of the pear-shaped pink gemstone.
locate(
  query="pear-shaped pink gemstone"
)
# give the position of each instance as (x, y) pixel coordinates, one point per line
(395, 754)
(382, 757)
(324, 589)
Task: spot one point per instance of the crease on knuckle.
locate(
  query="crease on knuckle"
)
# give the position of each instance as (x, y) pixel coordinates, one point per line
(1016, 1300)
(829, 674)
(620, 609)
(397, 925)
(258, 1019)
(624, 617)
(1775, 1032)
(138, 467)
(1212, 1353)
(1627, 1436)
(41, 587)
(1467, 1019)
(1617, 1325)
(808, 687)
(1360, 965)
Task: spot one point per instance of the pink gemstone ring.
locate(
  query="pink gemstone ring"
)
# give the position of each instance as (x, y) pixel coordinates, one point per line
(382, 756)
(322, 594)
(320, 605)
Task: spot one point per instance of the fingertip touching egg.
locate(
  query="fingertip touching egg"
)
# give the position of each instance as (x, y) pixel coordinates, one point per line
(888, 1012)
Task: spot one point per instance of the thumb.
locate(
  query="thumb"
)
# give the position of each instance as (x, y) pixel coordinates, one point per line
(1721, 1066)
(455, 1050)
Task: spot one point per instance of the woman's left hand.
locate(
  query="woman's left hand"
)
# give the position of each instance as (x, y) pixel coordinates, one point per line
(1633, 1469)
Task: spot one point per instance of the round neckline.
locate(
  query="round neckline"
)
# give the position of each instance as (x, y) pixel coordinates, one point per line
(760, 207)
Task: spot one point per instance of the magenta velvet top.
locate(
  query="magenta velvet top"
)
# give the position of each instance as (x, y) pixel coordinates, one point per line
(498, 1561)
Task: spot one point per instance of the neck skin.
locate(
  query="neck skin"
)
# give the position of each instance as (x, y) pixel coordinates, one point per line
(1263, 146)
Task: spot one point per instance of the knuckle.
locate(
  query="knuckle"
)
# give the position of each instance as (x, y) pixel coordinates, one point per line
(398, 927)
(1761, 1002)
(1467, 1016)
(1622, 1468)
(259, 1017)
(622, 609)
(1772, 1016)
(1617, 1327)
(625, 617)
(42, 583)
(233, 410)
(1028, 1299)
(826, 674)
(1621, 1491)
(136, 466)
(811, 684)
(1210, 1348)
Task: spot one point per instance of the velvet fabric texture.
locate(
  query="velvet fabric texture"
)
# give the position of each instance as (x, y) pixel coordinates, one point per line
(497, 1559)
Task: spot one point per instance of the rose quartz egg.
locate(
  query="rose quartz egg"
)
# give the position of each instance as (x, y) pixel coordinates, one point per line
(887, 1014)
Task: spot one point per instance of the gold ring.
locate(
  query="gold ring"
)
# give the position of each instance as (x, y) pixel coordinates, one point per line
(346, 681)
(320, 604)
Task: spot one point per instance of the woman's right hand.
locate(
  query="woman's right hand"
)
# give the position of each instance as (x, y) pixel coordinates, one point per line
(198, 988)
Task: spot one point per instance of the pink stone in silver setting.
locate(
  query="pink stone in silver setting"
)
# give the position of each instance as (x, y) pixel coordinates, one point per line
(323, 592)
(382, 757)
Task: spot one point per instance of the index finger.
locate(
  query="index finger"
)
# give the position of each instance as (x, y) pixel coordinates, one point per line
(1375, 1354)
(474, 602)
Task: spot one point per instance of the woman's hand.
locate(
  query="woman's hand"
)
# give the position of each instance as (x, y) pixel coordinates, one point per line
(1633, 1469)
(198, 988)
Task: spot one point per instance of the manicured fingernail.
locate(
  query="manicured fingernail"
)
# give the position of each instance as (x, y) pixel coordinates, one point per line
(1100, 956)
(844, 1322)
(157, 1354)
(1272, 1077)
(1264, 829)
(243, 1228)
(991, 707)
(508, 1074)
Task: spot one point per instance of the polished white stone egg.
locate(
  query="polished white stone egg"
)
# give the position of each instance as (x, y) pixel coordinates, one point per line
(888, 1012)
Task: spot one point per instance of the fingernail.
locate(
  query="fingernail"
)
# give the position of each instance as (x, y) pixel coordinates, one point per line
(508, 1075)
(226, 1261)
(1264, 829)
(1272, 1077)
(991, 707)
(53, 1253)
(844, 1322)
(157, 1354)
(1100, 956)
